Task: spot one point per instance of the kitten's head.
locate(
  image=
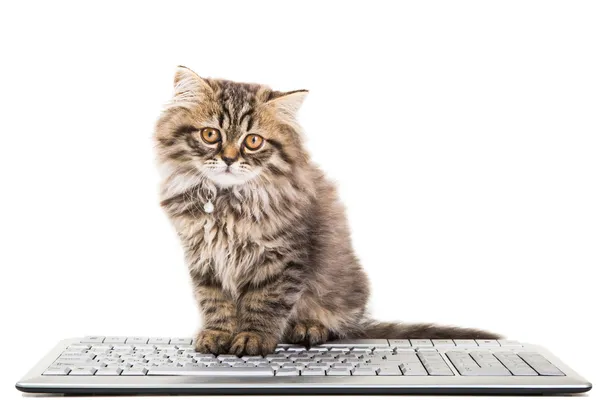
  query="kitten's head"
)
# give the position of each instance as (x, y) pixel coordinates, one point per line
(230, 133)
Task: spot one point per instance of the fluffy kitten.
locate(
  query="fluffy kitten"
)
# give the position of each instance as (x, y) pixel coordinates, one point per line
(264, 233)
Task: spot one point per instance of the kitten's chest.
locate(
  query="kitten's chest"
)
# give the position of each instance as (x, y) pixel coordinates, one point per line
(222, 246)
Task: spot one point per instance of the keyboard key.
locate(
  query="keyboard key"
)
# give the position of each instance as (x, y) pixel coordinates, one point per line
(540, 364)
(286, 353)
(341, 365)
(383, 364)
(439, 371)
(365, 371)
(227, 357)
(136, 340)
(145, 347)
(361, 350)
(261, 364)
(443, 343)
(191, 365)
(464, 369)
(325, 359)
(313, 372)
(135, 371)
(270, 357)
(83, 371)
(487, 343)
(402, 357)
(115, 339)
(73, 353)
(400, 343)
(458, 354)
(74, 365)
(93, 339)
(297, 367)
(121, 347)
(486, 359)
(382, 351)
(317, 350)
(314, 365)
(181, 341)
(357, 343)
(413, 369)
(79, 347)
(109, 371)
(204, 356)
(57, 371)
(239, 364)
(465, 342)
(287, 371)
(85, 359)
(159, 340)
(484, 372)
(332, 354)
(348, 358)
(108, 360)
(160, 355)
(435, 364)
(391, 371)
(421, 343)
(302, 360)
(532, 356)
(338, 371)
(253, 358)
(525, 371)
(509, 343)
(296, 348)
(212, 371)
(462, 360)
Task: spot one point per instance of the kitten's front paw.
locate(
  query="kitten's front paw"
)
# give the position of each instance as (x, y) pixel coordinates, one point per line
(213, 341)
(252, 344)
(310, 333)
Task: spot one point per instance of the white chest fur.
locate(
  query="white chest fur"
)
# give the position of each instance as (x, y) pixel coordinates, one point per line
(224, 248)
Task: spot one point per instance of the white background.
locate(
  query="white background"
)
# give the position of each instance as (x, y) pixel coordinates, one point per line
(464, 136)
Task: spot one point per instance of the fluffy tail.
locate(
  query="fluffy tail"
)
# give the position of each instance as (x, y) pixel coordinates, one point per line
(391, 330)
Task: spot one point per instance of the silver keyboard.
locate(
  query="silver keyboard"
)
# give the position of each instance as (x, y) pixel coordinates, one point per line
(111, 364)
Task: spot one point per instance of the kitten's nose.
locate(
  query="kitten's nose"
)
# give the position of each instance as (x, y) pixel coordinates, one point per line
(228, 160)
(229, 155)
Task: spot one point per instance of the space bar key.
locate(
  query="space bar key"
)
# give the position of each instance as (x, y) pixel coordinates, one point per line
(208, 371)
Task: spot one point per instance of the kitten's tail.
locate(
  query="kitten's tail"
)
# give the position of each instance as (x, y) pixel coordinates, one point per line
(371, 329)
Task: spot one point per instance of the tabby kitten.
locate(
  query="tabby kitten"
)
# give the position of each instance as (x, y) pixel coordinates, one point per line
(264, 233)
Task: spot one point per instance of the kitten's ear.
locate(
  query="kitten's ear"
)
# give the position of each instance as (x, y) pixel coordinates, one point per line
(189, 87)
(287, 103)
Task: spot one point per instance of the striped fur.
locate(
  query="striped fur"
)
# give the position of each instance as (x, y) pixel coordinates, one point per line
(274, 261)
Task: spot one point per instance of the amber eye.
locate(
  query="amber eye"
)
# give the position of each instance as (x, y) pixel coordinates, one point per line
(210, 135)
(253, 142)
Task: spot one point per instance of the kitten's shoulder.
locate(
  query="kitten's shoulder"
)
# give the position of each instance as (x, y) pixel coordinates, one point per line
(324, 185)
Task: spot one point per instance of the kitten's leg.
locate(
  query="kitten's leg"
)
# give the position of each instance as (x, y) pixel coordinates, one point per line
(219, 314)
(264, 308)
(308, 332)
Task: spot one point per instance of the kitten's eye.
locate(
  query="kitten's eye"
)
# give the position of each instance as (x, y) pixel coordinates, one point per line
(253, 142)
(210, 135)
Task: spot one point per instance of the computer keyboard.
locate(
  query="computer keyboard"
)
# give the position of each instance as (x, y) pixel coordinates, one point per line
(128, 365)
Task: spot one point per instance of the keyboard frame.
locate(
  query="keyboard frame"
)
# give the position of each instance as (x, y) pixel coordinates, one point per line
(35, 382)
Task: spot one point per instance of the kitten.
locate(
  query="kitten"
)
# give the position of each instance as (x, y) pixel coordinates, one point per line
(265, 236)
